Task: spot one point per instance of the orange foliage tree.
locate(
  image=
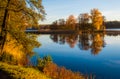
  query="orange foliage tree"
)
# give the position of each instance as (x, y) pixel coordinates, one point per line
(55, 72)
(71, 22)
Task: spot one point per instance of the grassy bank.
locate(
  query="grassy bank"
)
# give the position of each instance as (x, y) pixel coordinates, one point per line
(19, 72)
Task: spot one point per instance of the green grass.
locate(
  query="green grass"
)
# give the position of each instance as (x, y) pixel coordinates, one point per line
(19, 72)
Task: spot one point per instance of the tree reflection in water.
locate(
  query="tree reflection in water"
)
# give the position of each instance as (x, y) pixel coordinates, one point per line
(85, 40)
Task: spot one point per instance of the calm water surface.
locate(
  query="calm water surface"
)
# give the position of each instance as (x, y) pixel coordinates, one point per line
(80, 53)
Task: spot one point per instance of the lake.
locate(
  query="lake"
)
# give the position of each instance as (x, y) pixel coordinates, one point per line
(91, 54)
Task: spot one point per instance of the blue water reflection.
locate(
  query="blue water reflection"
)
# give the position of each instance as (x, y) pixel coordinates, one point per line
(104, 65)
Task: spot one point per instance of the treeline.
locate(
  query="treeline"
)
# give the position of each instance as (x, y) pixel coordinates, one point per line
(112, 24)
(57, 25)
(93, 21)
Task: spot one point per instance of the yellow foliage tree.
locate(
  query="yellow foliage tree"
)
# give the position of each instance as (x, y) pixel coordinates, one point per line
(14, 49)
(15, 17)
(97, 19)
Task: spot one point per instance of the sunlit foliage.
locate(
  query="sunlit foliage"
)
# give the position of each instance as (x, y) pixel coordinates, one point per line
(90, 22)
(56, 72)
(19, 72)
(15, 17)
(97, 19)
(71, 22)
(50, 69)
(17, 50)
(41, 62)
(21, 13)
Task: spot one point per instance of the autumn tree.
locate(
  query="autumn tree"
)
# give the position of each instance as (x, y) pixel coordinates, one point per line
(97, 19)
(83, 20)
(58, 24)
(15, 17)
(41, 62)
(71, 22)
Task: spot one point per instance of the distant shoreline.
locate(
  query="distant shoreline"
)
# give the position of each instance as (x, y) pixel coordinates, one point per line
(67, 31)
(50, 31)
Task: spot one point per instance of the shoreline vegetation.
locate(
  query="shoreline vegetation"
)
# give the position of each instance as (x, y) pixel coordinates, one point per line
(20, 72)
(50, 71)
(44, 69)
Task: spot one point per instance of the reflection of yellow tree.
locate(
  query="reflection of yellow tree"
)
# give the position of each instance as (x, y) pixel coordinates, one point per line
(71, 40)
(85, 40)
(97, 43)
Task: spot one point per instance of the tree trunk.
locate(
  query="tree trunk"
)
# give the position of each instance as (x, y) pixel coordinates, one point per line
(4, 27)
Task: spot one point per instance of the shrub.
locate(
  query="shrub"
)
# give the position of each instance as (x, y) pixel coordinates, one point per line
(41, 62)
(55, 72)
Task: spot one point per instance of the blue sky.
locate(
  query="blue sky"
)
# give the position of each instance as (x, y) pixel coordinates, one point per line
(57, 9)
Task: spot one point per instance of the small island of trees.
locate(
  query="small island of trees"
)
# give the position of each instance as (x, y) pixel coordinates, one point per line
(93, 21)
